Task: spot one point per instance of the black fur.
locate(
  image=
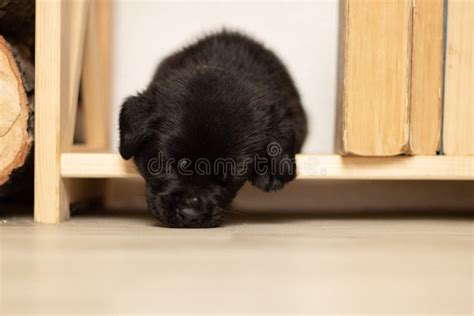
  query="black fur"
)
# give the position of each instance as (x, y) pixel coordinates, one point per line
(224, 97)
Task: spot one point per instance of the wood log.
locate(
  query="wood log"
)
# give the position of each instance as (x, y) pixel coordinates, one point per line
(17, 26)
(16, 108)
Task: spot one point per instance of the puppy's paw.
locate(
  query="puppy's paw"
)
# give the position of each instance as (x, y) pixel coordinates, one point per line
(267, 182)
(279, 171)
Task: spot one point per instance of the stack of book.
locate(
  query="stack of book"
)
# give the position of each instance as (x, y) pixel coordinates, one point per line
(408, 78)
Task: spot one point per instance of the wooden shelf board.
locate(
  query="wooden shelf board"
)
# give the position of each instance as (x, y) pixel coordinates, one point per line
(320, 167)
(96, 165)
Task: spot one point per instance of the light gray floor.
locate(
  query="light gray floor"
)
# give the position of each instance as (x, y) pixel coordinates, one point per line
(254, 264)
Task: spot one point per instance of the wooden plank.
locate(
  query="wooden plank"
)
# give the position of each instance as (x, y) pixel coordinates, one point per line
(386, 168)
(96, 165)
(319, 167)
(458, 128)
(51, 205)
(75, 27)
(96, 78)
(426, 77)
(104, 9)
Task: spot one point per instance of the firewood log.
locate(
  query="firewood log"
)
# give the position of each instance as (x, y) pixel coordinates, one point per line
(16, 109)
(17, 37)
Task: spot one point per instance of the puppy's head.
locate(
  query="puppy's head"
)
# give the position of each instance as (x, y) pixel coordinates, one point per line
(176, 141)
(181, 203)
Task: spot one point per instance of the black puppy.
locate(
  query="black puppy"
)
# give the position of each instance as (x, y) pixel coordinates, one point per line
(221, 111)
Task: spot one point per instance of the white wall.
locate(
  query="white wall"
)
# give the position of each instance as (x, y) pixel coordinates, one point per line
(303, 33)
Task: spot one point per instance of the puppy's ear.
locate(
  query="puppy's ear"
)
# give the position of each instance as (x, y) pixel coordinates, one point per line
(135, 118)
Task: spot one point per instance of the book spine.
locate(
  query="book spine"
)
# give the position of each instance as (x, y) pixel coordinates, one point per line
(458, 120)
(376, 87)
(426, 77)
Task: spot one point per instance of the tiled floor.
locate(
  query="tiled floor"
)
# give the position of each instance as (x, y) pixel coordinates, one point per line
(254, 264)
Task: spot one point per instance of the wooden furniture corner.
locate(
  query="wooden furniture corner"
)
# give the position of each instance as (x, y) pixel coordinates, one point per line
(73, 44)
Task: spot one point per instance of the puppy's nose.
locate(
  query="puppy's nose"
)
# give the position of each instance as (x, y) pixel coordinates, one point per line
(192, 201)
(189, 215)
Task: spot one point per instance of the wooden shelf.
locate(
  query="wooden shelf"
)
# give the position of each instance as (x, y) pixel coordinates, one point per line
(96, 165)
(318, 167)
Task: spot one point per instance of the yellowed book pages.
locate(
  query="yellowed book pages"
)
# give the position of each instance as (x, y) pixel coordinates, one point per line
(458, 130)
(377, 55)
(427, 77)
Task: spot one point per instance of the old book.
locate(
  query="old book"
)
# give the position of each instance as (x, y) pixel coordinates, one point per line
(426, 77)
(377, 54)
(458, 120)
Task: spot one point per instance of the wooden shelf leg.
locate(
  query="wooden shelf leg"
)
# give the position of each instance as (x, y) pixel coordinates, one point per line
(51, 205)
(60, 28)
